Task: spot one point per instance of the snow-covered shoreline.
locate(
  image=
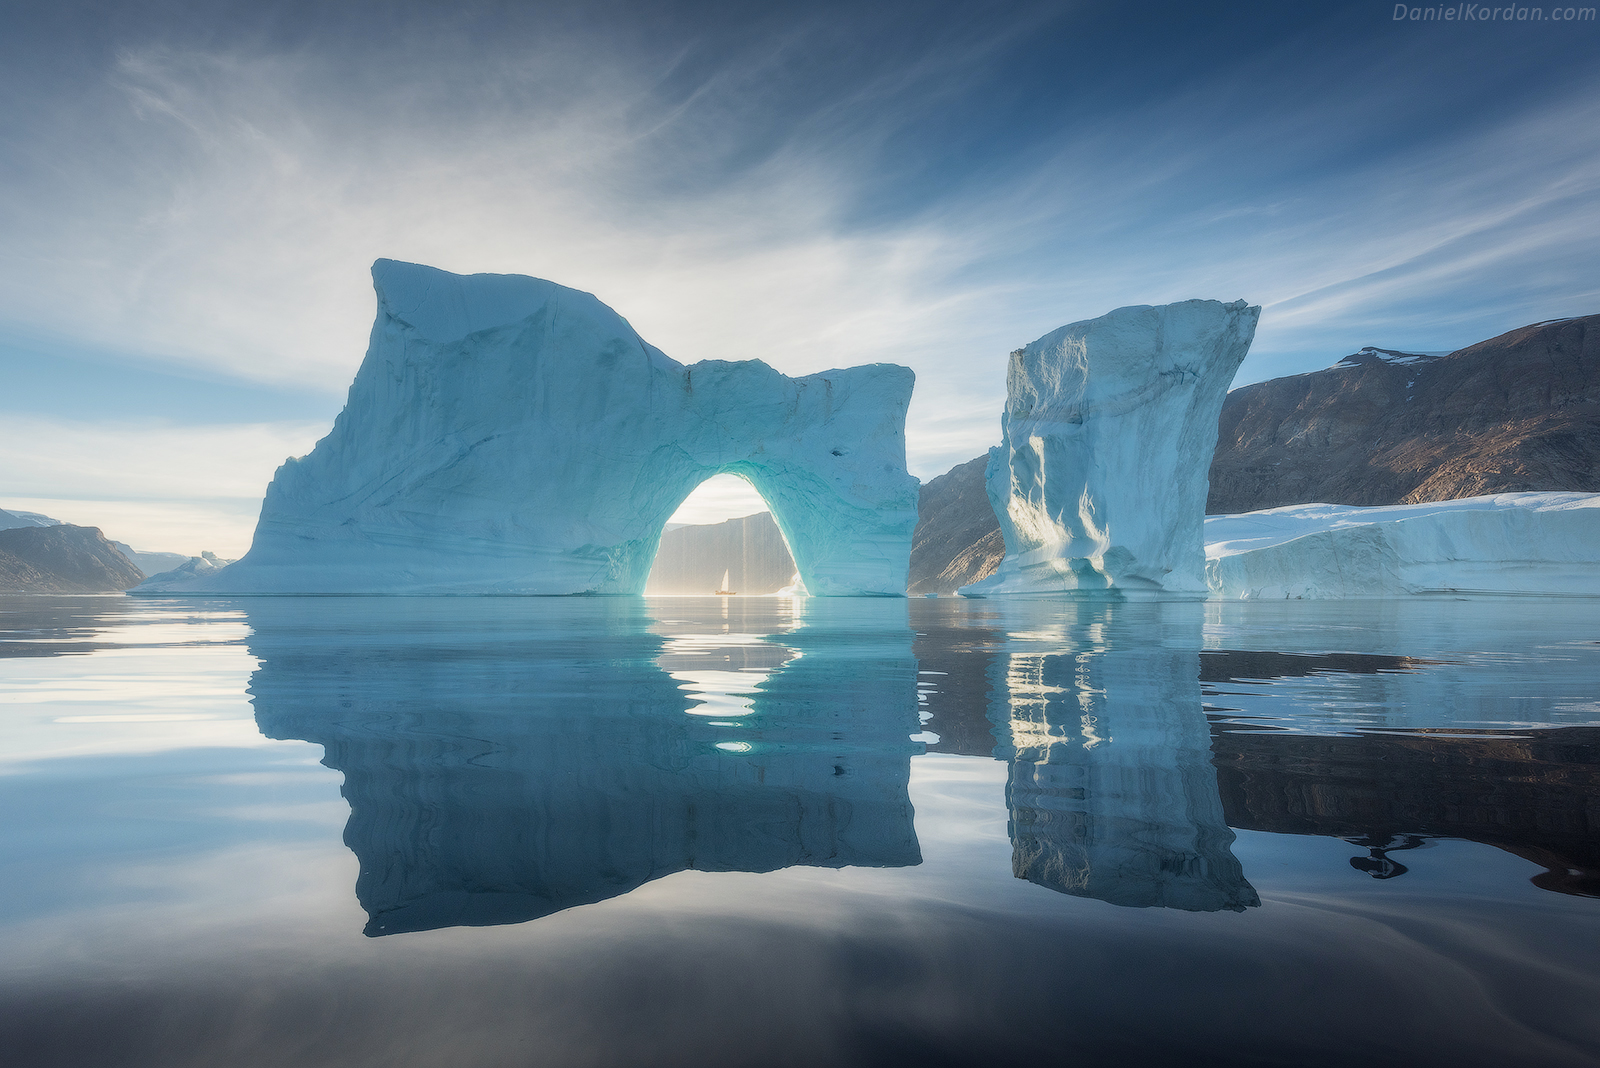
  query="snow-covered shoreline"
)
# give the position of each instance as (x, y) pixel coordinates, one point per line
(1506, 544)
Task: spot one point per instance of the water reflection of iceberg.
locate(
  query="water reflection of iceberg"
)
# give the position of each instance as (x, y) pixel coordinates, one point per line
(1111, 790)
(505, 760)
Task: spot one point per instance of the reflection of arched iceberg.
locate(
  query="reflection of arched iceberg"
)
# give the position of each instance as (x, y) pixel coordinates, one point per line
(505, 760)
(1111, 791)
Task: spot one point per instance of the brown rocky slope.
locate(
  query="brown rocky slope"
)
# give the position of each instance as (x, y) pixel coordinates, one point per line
(63, 559)
(1515, 413)
(957, 540)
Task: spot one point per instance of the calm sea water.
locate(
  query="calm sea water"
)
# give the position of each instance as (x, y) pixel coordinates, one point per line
(751, 831)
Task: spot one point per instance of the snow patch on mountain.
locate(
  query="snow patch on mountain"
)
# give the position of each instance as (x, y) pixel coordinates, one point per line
(13, 520)
(1372, 354)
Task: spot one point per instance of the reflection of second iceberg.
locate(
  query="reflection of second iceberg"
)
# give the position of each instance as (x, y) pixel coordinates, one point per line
(504, 768)
(1111, 791)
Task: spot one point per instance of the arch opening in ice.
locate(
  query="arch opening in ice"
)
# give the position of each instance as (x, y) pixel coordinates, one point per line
(507, 435)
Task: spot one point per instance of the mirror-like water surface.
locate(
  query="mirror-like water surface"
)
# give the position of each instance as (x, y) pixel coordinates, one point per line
(375, 831)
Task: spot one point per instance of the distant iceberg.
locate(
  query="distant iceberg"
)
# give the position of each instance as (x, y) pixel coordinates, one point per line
(192, 570)
(1507, 544)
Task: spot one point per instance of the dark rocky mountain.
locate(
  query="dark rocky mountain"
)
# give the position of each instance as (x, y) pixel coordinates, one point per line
(1514, 413)
(752, 550)
(63, 559)
(149, 563)
(957, 540)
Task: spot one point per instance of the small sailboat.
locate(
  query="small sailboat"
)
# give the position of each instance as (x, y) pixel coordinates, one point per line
(723, 590)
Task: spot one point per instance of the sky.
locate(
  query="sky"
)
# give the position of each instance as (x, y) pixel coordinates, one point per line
(192, 194)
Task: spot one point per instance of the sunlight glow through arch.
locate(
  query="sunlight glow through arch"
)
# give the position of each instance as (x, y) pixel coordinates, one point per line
(718, 498)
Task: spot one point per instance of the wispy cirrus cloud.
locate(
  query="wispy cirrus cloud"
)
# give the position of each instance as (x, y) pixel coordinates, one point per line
(157, 486)
(810, 187)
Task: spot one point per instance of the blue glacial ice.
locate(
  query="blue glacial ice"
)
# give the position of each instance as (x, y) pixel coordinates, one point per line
(1101, 477)
(509, 435)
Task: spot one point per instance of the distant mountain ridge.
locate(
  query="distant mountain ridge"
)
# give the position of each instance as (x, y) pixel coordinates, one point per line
(61, 558)
(692, 558)
(1374, 355)
(150, 564)
(1519, 412)
(12, 520)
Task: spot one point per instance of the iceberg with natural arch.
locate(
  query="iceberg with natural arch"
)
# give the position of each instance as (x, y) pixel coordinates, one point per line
(508, 435)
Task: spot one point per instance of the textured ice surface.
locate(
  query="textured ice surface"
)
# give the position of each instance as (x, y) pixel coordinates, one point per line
(509, 435)
(1507, 543)
(1101, 477)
